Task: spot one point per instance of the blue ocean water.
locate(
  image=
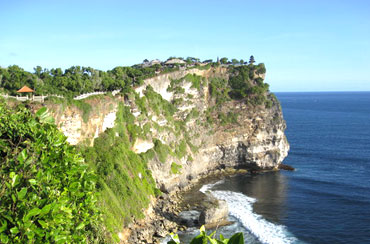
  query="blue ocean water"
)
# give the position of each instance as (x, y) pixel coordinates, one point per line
(327, 199)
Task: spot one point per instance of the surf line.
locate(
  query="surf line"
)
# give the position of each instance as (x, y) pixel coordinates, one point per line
(241, 207)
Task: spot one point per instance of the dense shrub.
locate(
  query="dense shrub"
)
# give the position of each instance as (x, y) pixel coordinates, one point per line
(46, 192)
(218, 89)
(181, 149)
(162, 150)
(260, 69)
(195, 80)
(76, 79)
(239, 82)
(246, 85)
(204, 238)
(158, 104)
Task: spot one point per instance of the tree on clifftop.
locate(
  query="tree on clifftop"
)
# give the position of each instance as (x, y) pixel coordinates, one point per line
(235, 61)
(223, 60)
(251, 60)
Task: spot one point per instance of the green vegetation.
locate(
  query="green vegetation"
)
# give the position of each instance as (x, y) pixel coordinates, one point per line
(245, 85)
(202, 67)
(193, 148)
(193, 114)
(251, 60)
(162, 150)
(82, 105)
(41, 171)
(158, 104)
(123, 176)
(181, 149)
(260, 68)
(234, 61)
(174, 85)
(196, 80)
(177, 101)
(141, 103)
(47, 192)
(175, 168)
(176, 90)
(218, 89)
(223, 60)
(227, 119)
(75, 80)
(203, 238)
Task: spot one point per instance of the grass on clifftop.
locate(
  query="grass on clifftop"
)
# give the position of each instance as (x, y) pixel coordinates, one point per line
(82, 105)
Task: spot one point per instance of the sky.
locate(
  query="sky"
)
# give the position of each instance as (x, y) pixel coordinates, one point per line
(313, 45)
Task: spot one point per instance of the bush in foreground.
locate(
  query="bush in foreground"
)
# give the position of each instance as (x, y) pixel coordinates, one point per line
(46, 191)
(203, 238)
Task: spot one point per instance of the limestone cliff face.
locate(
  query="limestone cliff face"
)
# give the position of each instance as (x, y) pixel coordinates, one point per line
(255, 140)
(70, 119)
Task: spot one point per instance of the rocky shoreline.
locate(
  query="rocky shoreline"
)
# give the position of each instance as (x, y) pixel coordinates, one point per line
(183, 208)
(186, 207)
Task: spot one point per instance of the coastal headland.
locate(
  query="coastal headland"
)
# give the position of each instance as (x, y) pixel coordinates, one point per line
(158, 137)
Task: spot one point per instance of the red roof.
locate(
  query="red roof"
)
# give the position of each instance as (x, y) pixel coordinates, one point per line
(25, 89)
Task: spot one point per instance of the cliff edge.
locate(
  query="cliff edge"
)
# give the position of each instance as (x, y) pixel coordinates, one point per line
(179, 126)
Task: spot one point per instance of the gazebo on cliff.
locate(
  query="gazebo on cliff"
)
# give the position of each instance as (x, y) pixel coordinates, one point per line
(26, 90)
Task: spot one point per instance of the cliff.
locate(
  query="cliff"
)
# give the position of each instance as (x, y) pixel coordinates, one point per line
(185, 125)
(84, 124)
(254, 140)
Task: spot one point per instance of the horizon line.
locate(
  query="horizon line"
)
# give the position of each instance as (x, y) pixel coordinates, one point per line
(317, 91)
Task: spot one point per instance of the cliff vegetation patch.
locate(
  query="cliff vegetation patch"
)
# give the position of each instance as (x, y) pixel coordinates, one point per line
(123, 176)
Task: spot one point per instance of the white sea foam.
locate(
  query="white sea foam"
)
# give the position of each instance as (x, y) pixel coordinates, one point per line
(241, 207)
(166, 239)
(207, 187)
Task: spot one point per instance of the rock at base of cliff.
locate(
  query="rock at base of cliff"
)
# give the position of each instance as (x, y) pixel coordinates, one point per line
(189, 218)
(286, 167)
(215, 211)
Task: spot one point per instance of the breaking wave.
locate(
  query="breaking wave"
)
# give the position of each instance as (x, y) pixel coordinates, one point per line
(241, 207)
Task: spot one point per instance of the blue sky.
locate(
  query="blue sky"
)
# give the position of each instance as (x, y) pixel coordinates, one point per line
(306, 45)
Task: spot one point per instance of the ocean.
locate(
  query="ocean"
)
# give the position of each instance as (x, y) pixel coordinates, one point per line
(327, 198)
